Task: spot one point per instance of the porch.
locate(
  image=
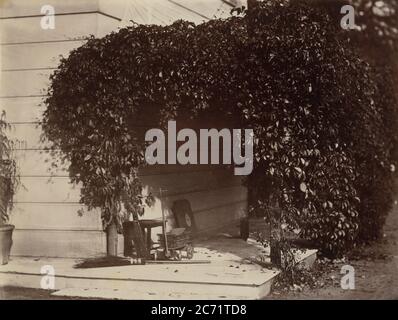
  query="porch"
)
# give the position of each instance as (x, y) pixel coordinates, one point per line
(222, 268)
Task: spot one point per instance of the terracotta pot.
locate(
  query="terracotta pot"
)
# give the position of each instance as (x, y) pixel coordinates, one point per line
(5, 242)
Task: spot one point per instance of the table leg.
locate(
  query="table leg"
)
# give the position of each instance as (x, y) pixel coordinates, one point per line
(149, 240)
(128, 246)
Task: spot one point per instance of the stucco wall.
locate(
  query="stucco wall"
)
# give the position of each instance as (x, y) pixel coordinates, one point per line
(46, 206)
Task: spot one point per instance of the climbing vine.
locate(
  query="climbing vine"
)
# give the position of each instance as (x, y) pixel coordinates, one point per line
(287, 71)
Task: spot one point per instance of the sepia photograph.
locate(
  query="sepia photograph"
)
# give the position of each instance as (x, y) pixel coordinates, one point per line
(198, 150)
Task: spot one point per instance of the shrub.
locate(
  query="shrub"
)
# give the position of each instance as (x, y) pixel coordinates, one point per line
(375, 149)
(9, 177)
(377, 42)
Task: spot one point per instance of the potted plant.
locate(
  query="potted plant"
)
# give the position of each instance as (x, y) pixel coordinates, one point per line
(9, 180)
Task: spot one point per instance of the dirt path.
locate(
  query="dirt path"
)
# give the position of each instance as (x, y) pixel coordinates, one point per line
(376, 272)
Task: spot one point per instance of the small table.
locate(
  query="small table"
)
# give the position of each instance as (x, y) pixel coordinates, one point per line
(146, 227)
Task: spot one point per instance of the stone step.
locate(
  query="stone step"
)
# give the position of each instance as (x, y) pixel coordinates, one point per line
(125, 294)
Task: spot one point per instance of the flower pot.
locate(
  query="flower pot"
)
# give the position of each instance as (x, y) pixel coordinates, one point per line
(5, 242)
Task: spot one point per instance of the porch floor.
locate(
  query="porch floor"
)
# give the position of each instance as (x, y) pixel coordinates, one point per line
(228, 275)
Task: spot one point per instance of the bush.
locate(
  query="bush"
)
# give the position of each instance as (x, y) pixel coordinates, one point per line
(378, 44)
(376, 159)
(375, 150)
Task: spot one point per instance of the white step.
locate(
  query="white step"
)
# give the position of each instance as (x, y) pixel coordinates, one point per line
(125, 294)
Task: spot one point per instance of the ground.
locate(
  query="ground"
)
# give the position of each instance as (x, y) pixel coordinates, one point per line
(376, 274)
(15, 293)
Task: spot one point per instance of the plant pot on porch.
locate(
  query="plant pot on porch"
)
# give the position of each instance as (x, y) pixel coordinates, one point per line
(5, 242)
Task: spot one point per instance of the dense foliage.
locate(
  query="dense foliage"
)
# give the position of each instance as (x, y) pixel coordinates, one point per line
(9, 178)
(378, 22)
(376, 39)
(288, 71)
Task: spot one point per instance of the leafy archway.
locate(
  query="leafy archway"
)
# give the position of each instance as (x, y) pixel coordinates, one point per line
(292, 76)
